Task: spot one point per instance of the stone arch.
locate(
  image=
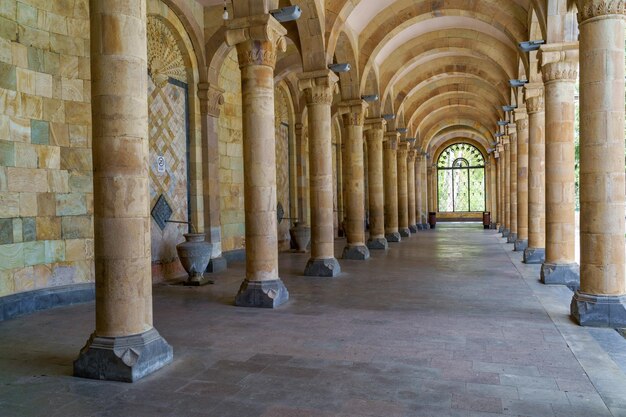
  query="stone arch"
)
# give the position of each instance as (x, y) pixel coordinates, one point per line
(371, 87)
(311, 29)
(346, 53)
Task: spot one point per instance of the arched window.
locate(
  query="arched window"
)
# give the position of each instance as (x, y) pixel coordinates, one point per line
(461, 179)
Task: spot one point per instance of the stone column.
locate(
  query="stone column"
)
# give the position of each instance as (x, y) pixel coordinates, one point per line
(302, 146)
(124, 346)
(513, 179)
(391, 187)
(425, 188)
(258, 39)
(419, 212)
(601, 300)
(410, 169)
(521, 121)
(318, 87)
(535, 252)
(506, 176)
(403, 196)
(374, 138)
(493, 189)
(500, 158)
(560, 69)
(353, 114)
(211, 98)
(431, 180)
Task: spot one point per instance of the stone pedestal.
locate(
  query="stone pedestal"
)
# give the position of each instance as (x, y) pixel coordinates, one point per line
(536, 173)
(521, 122)
(601, 300)
(390, 148)
(353, 114)
(318, 87)
(403, 193)
(374, 138)
(125, 346)
(560, 69)
(258, 39)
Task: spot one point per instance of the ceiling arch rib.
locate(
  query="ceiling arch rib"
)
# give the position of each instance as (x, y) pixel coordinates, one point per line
(462, 121)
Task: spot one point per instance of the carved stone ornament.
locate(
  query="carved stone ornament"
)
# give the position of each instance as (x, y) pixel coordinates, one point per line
(165, 60)
(597, 8)
(319, 86)
(353, 112)
(258, 39)
(559, 62)
(391, 141)
(211, 98)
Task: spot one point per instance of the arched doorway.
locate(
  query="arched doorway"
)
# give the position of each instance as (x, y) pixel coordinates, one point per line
(461, 179)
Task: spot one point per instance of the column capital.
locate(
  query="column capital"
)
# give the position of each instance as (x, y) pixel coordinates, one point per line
(257, 38)
(391, 140)
(374, 123)
(533, 96)
(411, 156)
(318, 86)
(599, 8)
(559, 61)
(403, 149)
(353, 112)
(520, 115)
(211, 98)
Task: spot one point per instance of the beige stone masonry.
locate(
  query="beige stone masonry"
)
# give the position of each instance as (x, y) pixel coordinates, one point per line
(391, 182)
(403, 197)
(521, 121)
(410, 169)
(513, 179)
(374, 137)
(506, 176)
(536, 166)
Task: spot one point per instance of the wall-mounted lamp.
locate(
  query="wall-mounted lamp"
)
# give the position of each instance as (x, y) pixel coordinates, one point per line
(287, 14)
(402, 130)
(339, 67)
(502, 123)
(517, 83)
(225, 14)
(528, 46)
(389, 116)
(410, 140)
(369, 98)
(509, 108)
(499, 134)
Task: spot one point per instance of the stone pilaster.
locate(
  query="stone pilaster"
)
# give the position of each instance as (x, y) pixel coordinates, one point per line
(124, 346)
(403, 195)
(390, 147)
(521, 121)
(318, 87)
(535, 252)
(410, 169)
(512, 237)
(258, 39)
(602, 296)
(374, 138)
(506, 176)
(211, 98)
(353, 115)
(559, 65)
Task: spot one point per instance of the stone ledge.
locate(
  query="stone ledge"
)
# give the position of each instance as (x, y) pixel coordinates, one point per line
(29, 302)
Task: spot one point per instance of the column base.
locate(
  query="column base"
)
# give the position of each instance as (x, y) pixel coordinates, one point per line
(356, 253)
(419, 226)
(511, 238)
(505, 232)
(520, 245)
(405, 232)
(217, 265)
(328, 267)
(263, 294)
(500, 228)
(393, 237)
(125, 358)
(413, 228)
(379, 243)
(599, 310)
(426, 226)
(561, 274)
(493, 226)
(534, 255)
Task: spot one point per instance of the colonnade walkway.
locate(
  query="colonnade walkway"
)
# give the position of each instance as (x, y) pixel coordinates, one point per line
(446, 323)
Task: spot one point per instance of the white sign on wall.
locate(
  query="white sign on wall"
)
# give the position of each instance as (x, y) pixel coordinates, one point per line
(160, 164)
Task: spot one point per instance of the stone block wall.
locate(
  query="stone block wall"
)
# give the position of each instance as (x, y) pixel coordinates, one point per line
(46, 195)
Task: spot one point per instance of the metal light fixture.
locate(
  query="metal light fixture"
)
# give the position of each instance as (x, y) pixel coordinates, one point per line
(509, 108)
(225, 14)
(528, 46)
(402, 130)
(499, 134)
(502, 123)
(389, 116)
(287, 14)
(517, 83)
(340, 67)
(370, 97)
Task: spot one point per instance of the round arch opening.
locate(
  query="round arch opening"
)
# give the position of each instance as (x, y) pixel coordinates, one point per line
(461, 182)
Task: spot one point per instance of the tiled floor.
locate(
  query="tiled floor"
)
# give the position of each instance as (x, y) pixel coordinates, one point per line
(446, 323)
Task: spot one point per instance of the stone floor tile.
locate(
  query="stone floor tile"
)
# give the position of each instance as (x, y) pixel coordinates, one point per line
(476, 403)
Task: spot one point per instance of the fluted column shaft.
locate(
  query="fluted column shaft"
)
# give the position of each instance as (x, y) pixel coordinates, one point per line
(513, 180)
(318, 87)
(522, 179)
(560, 70)
(353, 118)
(410, 169)
(376, 187)
(601, 299)
(391, 187)
(535, 252)
(121, 199)
(403, 197)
